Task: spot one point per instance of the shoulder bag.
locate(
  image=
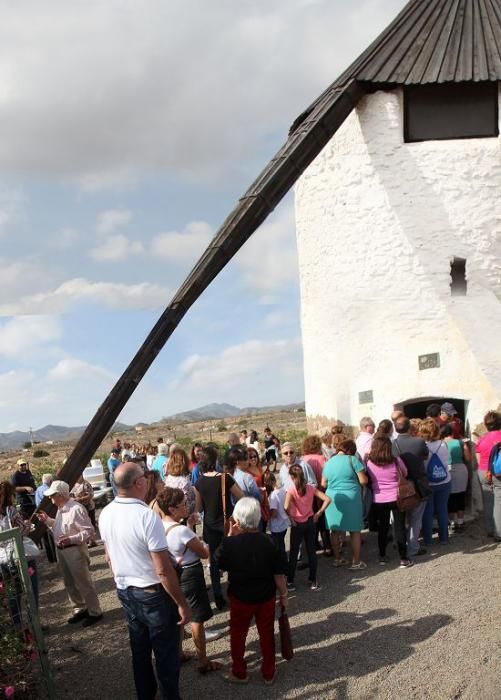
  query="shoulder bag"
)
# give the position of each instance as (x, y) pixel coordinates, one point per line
(407, 496)
(226, 520)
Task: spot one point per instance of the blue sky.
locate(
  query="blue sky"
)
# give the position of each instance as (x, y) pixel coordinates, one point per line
(129, 130)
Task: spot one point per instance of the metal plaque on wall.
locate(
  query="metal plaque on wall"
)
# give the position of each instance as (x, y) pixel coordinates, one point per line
(365, 397)
(429, 361)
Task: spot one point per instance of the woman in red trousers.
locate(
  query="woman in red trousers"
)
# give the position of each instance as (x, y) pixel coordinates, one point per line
(255, 570)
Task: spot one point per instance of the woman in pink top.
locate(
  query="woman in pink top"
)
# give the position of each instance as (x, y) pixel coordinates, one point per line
(312, 453)
(299, 507)
(491, 488)
(383, 469)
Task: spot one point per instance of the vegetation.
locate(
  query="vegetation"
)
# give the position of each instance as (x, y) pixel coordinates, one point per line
(40, 453)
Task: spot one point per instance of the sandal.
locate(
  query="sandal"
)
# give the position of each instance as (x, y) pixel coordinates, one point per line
(339, 562)
(210, 666)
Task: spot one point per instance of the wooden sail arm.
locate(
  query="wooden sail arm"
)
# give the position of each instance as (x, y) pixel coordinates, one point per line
(303, 145)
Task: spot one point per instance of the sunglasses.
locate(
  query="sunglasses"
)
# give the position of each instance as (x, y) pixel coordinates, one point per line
(289, 453)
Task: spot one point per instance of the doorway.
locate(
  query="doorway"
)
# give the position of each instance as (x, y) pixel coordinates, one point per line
(416, 408)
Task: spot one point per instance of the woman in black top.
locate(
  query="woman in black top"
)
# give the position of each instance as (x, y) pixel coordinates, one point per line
(256, 568)
(209, 499)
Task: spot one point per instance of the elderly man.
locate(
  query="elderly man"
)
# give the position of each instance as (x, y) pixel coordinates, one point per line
(72, 529)
(290, 459)
(364, 439)
(147, 585)
(413, 451)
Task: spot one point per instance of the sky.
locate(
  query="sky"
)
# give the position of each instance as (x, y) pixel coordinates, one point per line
(128, 132)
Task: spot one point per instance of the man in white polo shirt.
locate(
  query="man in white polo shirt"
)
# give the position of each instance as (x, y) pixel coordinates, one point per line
(147, 585)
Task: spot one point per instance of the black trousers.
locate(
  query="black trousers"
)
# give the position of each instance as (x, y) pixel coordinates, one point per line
(307, 532)
(382, 511)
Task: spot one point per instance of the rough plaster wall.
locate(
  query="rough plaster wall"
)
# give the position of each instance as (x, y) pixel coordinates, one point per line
(378, 222)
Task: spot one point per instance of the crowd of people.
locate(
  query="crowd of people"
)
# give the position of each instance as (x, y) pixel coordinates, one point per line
(233, 510)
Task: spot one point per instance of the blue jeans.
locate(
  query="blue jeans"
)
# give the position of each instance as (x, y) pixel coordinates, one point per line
(437, 503)
(152, 618)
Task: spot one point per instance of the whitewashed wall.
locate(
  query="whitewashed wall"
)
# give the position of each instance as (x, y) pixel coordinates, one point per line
(378, 222)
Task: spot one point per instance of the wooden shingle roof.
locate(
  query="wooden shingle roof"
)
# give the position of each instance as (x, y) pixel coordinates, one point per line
(435, 41)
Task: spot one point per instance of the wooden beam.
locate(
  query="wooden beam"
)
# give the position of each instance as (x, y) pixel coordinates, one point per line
(303, 145)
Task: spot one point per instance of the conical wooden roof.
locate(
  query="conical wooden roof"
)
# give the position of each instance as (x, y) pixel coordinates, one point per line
(435, 41)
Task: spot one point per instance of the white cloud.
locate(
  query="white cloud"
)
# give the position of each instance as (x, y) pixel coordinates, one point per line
(108, 221)
(107, 294)
(143, 90)
(255, 368)
(16, 389)
(268, 261)
(70, 368)
(183, 246)
(19, 278)
(24, 335)
(116, 247)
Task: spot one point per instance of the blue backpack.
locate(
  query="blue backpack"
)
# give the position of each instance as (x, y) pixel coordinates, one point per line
(495, 460)
(436, 470)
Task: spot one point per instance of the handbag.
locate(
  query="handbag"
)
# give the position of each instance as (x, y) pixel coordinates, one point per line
(284, 628)
(407, 496)
(226, 520)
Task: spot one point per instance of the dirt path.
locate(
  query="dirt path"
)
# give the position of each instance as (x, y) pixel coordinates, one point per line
(433, 631)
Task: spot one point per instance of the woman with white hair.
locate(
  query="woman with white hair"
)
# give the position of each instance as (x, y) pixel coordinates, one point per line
(255, 571)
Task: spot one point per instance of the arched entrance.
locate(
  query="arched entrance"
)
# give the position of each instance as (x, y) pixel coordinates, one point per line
(416, 408)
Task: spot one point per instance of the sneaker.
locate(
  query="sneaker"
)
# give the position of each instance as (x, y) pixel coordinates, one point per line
(406, 563)
(91, 620)
(212, 635)
(382, 561)
(230, 678)
(77, 617)
(315, 586)
(421, 551)
(291, 586)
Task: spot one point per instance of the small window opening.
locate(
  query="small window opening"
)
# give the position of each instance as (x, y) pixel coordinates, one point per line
(458, 277)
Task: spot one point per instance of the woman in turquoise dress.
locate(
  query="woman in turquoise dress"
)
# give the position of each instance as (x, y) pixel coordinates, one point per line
(342, 478)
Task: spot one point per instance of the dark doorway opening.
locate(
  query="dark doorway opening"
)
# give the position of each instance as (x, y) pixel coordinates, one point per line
(416, 408)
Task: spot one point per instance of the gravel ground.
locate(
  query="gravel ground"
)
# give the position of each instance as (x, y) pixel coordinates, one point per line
(432, 631)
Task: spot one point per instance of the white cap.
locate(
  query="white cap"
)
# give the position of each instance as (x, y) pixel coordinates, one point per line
(57, 486)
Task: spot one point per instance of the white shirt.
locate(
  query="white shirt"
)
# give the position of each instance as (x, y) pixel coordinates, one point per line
(364, 443)
(308, 472)
(130, 531)
(277, 500)
(178, 537)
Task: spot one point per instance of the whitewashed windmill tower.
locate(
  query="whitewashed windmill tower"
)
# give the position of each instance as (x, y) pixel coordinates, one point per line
(399, 224)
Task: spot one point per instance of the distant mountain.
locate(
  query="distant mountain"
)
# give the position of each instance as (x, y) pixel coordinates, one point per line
(57, 433)
(226, 410)
(212, 410)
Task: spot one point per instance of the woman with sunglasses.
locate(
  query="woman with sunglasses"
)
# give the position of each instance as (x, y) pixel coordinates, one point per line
(186, 549)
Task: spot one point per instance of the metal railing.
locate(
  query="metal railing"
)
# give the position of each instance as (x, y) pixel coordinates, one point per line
(23, 653)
